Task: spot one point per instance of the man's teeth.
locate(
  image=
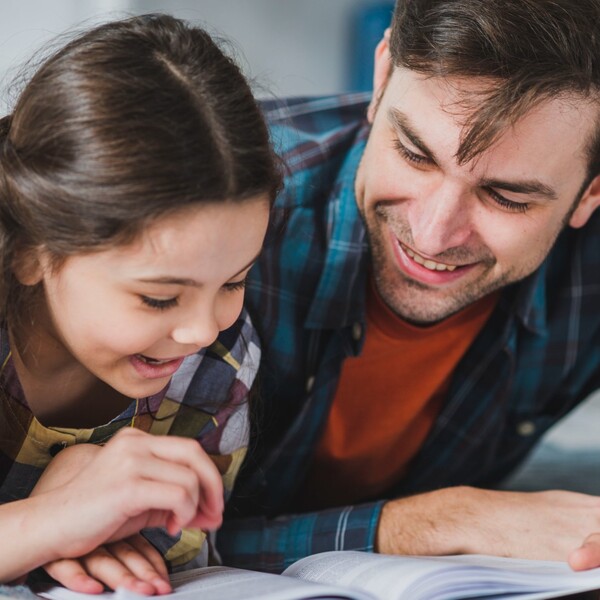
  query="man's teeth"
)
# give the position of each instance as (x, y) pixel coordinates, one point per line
(152, 361)
(428, 264)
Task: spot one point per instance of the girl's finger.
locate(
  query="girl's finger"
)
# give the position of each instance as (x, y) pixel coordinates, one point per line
(188, 452)
(176, 456)
(152, 555)
(110, 569)
(143, 561)
(70, 573)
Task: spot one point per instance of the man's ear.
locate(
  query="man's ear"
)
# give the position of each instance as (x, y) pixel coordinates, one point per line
(589, 202)
(28, 266)
(382, 72)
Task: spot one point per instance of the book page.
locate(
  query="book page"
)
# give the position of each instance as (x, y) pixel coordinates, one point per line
(443, 578)
(225, 583)
(386, 577)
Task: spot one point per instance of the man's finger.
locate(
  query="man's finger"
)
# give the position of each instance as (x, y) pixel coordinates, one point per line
(587, 556)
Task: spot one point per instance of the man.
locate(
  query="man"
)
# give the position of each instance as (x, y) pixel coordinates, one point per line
(429, 299)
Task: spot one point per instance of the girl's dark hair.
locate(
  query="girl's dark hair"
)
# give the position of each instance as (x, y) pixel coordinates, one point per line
(128, 122)
(527, 50)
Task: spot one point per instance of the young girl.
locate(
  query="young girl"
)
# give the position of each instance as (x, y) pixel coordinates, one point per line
(136, 177)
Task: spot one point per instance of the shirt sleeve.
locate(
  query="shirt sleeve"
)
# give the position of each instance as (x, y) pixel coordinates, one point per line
(271, 545)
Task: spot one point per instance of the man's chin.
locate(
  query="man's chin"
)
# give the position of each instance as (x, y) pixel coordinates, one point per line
(421, 304)
(422, 318)
(425, 307)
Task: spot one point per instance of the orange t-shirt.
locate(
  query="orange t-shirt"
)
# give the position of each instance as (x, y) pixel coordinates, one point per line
(386, 402)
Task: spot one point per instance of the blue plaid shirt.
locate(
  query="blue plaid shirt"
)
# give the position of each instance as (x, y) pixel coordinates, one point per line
(536, 358)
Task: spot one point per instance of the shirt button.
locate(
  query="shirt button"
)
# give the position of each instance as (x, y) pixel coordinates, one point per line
(56, 448)
(526, 428)
(356, 331)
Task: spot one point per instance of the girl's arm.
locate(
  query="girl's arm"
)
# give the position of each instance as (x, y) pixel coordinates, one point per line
(135, 481)
(29, 527)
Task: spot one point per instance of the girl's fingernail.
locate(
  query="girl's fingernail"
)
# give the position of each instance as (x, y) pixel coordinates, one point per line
(162, 586)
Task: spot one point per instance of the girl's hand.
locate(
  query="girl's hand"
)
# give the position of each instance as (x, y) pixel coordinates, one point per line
(137, 480)
(133, 564)
(65, 466)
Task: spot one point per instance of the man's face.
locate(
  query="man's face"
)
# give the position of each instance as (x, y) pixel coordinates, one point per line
(443, 234)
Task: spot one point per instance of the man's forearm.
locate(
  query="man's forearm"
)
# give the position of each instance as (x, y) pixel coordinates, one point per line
(539, 525)
(542, 525)
(271, 545)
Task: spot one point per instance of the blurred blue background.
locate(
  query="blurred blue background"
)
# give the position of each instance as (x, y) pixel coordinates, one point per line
(369, 23)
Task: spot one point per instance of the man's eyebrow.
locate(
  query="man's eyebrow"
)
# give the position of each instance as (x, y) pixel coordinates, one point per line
(522, 187)
(187, 281)
(401, 123)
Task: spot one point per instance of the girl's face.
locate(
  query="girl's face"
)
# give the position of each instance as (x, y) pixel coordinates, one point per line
(129, 315)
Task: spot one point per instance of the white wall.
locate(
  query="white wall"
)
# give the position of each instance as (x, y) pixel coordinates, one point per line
(288, 46)
(291, 46)
(27, 25)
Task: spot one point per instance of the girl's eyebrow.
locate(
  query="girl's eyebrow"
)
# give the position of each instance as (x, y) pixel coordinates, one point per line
(166, 279)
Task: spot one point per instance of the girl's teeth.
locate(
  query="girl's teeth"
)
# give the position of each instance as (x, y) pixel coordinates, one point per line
(151, 361)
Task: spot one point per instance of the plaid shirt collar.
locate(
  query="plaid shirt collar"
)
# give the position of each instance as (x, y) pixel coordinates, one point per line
(347, 246)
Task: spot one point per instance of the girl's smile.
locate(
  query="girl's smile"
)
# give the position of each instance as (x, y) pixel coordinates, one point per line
(150, 368)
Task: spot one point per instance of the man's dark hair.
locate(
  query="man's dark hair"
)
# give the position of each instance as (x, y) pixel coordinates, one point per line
(528, 50)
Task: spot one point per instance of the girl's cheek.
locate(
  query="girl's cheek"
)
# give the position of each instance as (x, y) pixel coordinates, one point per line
(230, 311)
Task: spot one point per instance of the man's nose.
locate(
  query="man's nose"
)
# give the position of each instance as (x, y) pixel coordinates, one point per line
(440, 219)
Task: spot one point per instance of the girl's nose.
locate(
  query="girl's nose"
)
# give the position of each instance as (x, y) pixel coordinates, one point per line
(199, 332)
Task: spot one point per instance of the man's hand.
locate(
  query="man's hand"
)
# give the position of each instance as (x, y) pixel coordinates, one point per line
(587, 556)
(465, 520)
(133, 564)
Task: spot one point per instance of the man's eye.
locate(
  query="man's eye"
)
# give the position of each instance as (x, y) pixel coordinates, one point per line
(507, 204)
(410, 156)
(159, 304)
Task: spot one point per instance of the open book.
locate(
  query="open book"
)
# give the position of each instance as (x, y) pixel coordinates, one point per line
(361, 576)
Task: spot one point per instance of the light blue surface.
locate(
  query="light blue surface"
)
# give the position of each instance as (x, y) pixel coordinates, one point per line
(17, 592)
(568, 458)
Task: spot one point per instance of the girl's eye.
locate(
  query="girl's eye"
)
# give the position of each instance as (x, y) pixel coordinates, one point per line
(409, 155)
(519, 207)
(235, 286)
(159, 304)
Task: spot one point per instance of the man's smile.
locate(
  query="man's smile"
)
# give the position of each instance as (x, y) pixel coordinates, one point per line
(426, 262)
(425, 270)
